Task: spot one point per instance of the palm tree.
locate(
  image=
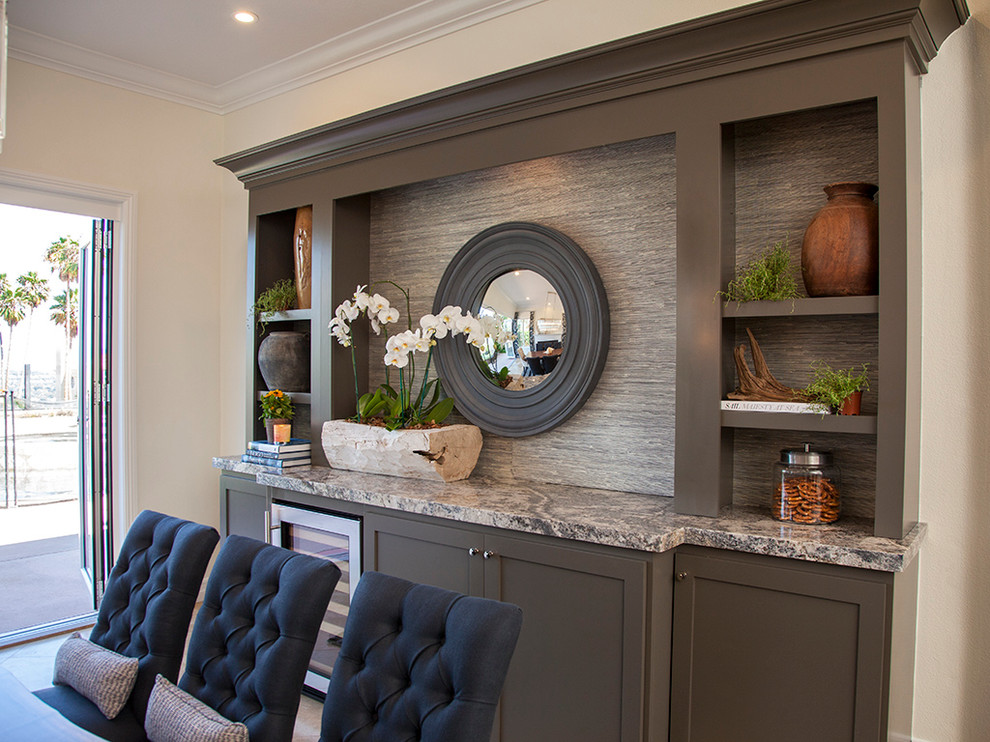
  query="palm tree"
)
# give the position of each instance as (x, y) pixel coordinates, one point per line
(60, 312)
(34, 291)
(63, 254)
(11, 312)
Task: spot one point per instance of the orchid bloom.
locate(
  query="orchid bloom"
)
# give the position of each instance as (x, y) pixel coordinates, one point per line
(361, 299)
(387, 315)
(422, 343)
(469, 325)
(378, 304)
(404, 341)
(397, 358)
(348, 311)
(450, 316)
(433, 326)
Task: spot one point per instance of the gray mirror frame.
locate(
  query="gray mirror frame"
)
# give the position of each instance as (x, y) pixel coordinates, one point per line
(488, 255)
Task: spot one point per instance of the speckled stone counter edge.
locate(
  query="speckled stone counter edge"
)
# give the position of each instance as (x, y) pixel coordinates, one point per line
(623, 519)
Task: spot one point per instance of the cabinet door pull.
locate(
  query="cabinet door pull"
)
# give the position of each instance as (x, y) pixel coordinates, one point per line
(474, 551)
(681, 576)
(488, 554)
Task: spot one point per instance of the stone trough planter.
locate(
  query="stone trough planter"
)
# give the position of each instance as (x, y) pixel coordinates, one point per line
(444, 454)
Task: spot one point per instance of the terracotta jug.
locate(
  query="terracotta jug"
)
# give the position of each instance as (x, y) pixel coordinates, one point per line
(840, 252)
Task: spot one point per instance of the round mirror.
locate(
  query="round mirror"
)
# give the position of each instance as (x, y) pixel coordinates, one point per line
(546, 314)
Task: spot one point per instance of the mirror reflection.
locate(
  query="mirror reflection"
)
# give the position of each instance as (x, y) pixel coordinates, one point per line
(525, 329)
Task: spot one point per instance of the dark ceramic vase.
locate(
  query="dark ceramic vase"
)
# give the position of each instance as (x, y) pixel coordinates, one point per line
(283, 358)
(840, 252)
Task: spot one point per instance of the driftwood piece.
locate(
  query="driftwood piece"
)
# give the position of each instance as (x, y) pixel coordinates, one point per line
(761, 385)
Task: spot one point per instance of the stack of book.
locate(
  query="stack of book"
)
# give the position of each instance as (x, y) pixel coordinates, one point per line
(278, 456)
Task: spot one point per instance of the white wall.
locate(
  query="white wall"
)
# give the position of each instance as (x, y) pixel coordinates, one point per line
(61, 126)
(953, 650)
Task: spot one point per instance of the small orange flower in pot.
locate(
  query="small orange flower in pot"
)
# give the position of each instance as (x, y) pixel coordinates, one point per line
(276, 409)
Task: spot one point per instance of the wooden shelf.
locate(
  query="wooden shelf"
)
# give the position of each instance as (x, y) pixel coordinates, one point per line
(863, 424)
(827, 305)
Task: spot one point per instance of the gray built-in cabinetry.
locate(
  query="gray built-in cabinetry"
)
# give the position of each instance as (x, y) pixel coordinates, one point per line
(727, 128)
(690, 644)
(580, 665)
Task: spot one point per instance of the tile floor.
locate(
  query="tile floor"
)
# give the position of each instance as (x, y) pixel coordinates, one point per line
(32, 664)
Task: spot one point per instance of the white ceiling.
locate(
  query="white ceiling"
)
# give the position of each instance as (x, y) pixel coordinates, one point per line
(193, 52)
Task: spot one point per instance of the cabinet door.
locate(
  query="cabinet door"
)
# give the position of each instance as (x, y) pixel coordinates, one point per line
(444, 556)
(766, 652)
(245, 507)
(577, 672)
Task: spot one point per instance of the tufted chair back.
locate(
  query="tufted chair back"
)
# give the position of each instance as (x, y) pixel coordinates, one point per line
(150, 596)
(418, 663)
(254, 634)
(149, 599)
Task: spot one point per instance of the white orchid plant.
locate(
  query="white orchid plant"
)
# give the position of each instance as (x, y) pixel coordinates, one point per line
(406, 406)
(493, 325)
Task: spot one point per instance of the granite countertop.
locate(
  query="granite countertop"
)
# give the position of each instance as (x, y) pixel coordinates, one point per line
(623, 519)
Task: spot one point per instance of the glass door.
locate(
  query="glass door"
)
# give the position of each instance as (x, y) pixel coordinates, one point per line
(95, 502)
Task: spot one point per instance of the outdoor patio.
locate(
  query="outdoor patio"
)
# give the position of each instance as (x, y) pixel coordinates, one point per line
(39, 541)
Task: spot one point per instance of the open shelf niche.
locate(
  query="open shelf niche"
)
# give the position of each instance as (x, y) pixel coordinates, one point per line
(779, 166)
(272, 259)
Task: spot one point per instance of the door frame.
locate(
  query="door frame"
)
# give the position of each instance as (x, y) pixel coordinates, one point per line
(21, 188)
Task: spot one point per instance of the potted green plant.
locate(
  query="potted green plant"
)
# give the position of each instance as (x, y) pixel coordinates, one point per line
(279, 297)
(276, 409)
(839, 390)
(768, 277)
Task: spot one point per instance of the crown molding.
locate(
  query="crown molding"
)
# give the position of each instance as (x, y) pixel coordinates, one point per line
(43, 51)
(761, 34)
(423, 23)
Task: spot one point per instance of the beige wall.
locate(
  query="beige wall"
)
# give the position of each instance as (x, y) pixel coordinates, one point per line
(953, 657)
(62, 126)
(189, 296)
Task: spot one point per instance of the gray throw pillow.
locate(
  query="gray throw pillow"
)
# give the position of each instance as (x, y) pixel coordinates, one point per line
(175, 716)
(104, 677)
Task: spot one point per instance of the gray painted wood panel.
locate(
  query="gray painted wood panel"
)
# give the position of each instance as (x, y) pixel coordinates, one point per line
(618, 203)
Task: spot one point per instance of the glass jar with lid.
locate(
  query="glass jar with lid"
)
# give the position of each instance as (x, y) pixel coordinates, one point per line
(806, 486)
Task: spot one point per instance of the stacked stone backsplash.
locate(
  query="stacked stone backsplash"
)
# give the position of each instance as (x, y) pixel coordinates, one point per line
(618, 202)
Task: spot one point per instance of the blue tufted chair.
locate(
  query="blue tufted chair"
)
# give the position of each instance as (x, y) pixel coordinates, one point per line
(418, 663)
(255, 632)
(148, 602)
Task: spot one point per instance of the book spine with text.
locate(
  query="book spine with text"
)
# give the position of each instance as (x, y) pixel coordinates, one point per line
(746, 405)
(275, 463)
(294, 444)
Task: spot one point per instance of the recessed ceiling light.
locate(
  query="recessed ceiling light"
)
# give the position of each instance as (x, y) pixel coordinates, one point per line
(245, 16)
